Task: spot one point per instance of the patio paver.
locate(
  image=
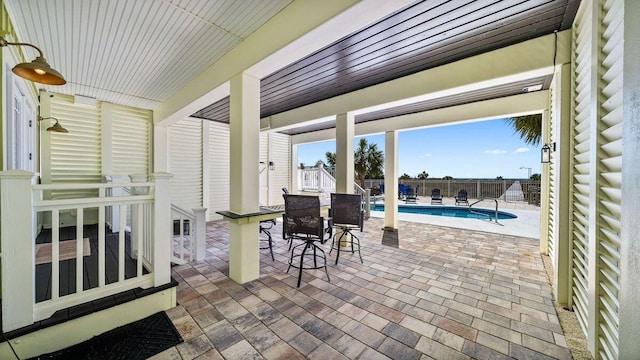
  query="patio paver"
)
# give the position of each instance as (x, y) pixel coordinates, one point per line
(443, 293)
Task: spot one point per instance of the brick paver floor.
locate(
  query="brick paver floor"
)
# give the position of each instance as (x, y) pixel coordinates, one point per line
(442, 293)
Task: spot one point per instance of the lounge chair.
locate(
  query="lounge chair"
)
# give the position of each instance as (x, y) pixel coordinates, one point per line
(411, 196)
(462, 197)
(436, 198)
(402, 191)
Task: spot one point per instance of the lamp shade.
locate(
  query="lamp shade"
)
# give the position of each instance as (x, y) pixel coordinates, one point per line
(57, 128)
(39, 71)
(545, 154)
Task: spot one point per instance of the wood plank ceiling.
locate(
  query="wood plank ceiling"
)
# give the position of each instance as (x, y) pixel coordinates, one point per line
(135, 53)
(424, 35)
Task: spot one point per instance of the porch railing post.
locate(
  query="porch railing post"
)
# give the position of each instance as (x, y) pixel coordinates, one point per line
(162, 228)
(201, 233)
(135, 224)
(18, 247)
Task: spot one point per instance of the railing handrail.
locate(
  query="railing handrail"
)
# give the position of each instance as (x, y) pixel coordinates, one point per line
(85, 186)
(184, 212)
(481, 213)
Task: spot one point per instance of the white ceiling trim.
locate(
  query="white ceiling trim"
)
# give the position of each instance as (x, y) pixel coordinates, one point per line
(523, 104)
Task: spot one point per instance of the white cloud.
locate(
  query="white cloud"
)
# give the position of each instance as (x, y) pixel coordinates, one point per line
(521, 150)
(426, 155)
(495, 152)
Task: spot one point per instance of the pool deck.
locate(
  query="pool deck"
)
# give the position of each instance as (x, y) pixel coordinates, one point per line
(527, 224)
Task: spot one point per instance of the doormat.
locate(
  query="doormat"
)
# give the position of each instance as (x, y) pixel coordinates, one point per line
(139, 340)
(66, 250)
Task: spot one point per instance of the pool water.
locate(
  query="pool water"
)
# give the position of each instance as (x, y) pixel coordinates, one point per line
(450, 211)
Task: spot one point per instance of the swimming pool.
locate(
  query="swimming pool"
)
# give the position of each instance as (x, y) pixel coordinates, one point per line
(450, 211)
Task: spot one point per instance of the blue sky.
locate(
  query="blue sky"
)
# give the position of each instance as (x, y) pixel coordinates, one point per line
(483, 149)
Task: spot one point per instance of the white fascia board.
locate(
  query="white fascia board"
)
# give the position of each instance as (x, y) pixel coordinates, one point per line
(517, 105)
(301, 28)
(525, 60)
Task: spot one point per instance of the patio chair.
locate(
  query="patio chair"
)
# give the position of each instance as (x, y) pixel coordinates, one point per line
(265, 228)
(436, 197)
(346, 215)
(402, 191)
(302, 220)
(462, 197)
(411, 196)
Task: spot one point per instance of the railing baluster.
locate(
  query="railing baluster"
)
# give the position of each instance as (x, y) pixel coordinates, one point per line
(121, 237)
(101, 247)
(140, 234)
(79, 250)
(181, 237)
(55, 254)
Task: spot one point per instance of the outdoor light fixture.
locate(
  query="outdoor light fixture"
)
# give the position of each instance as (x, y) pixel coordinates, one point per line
(271, 164)
(55, 127)
(546, 151)
(38, 70)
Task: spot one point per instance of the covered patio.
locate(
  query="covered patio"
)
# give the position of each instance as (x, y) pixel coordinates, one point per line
(441, 293)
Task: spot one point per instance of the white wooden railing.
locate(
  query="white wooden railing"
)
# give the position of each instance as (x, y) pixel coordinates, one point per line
(25, 206)
(318, 179)
(189, 244)
(189, 241)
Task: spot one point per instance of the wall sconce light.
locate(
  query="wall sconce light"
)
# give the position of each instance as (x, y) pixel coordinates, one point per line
(271, 164)
(38, 70)
(55, 127)
(546, 151)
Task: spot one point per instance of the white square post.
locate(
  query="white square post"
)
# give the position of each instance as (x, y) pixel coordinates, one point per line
(162, 229)
(244, 246)
(18, 249)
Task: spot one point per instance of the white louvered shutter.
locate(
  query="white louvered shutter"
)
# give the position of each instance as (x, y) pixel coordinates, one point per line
(597, 178)
(552, 175)
(130, 140)
(610, 168)
(581, 166)
(186, 163)
(75, 156)
(219, 171)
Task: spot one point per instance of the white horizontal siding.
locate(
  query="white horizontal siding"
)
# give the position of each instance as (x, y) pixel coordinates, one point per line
(219, 162)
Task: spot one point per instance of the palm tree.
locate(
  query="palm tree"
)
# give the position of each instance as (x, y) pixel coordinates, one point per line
(529, 127)
(331, 159)
(368, 161)
(423, 175)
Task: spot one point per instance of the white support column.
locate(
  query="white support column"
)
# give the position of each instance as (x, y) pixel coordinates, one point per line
(562, 212)
(244, 253)
(161, 149)
(162, 229)
(201, 233)
(294, 186)
(391, 180)
(345, 125)
(18, 247)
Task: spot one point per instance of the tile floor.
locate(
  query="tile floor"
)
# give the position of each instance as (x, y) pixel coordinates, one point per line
(443, 293)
